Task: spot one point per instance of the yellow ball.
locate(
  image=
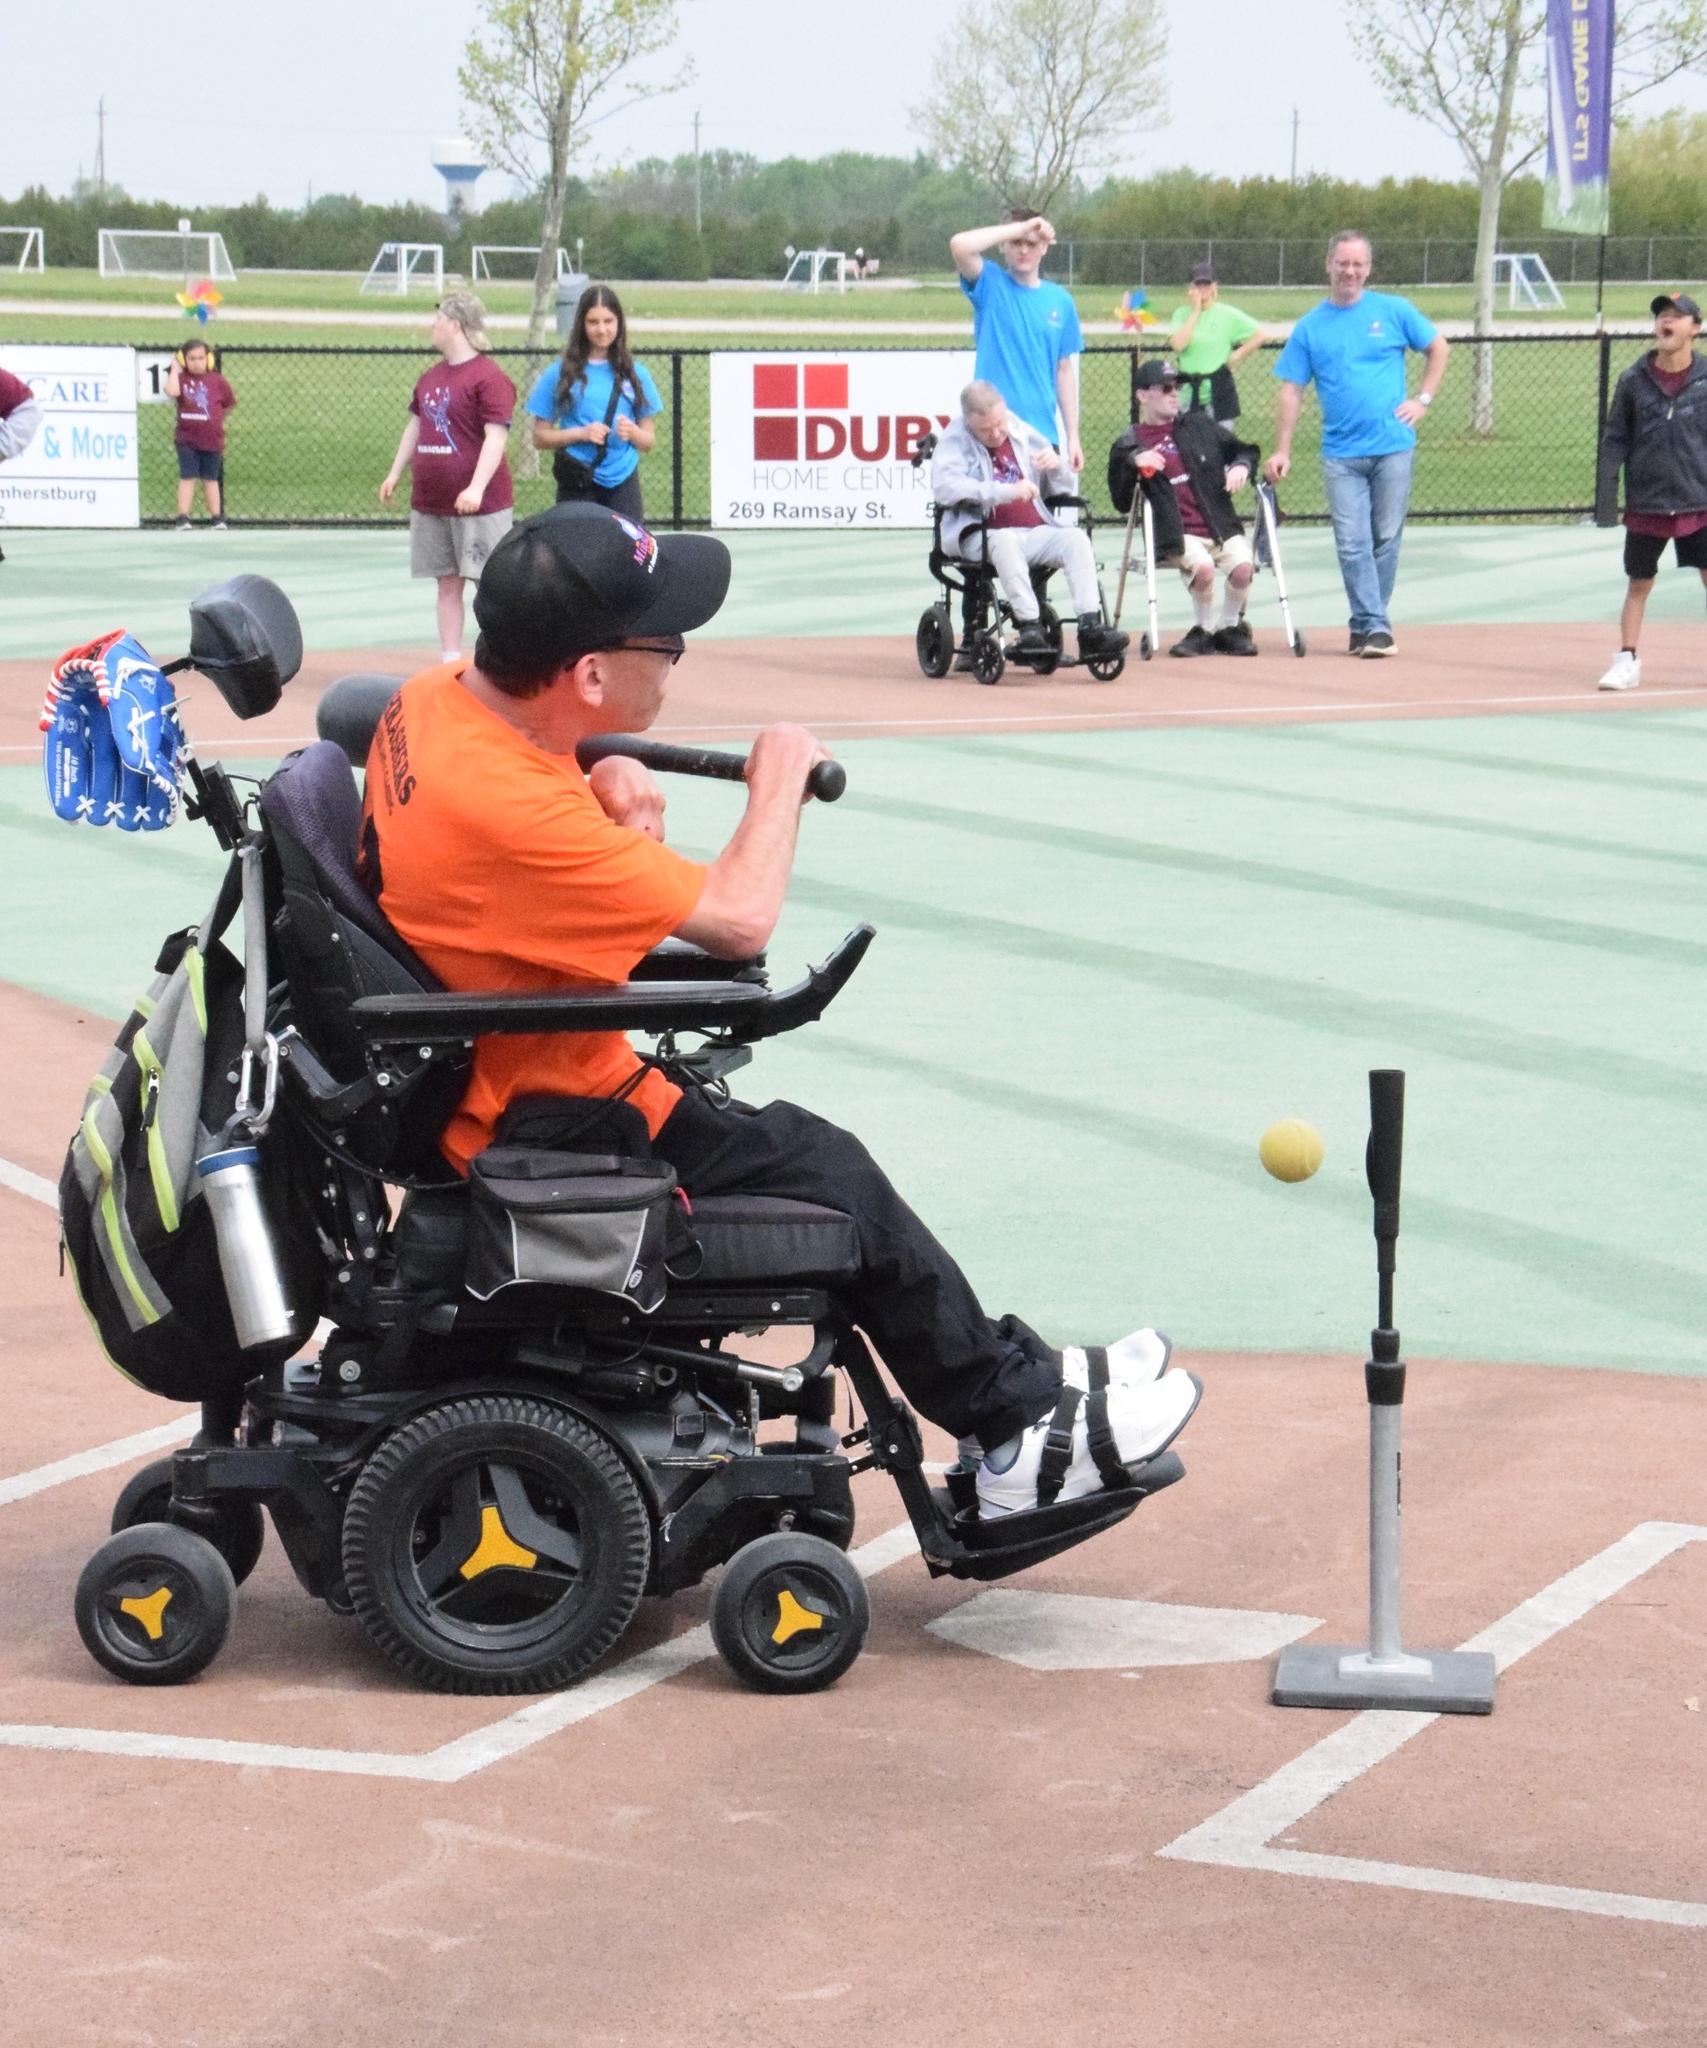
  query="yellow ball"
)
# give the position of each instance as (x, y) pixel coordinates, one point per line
(1291, 1149)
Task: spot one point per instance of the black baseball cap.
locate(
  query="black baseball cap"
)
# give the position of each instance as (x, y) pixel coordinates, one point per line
(1203, 273)
(577, 577)
(1153, 373)
(1677, 302)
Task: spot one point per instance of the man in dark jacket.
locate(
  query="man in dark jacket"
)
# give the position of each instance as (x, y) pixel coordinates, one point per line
(1188, 466)
(1656, 432)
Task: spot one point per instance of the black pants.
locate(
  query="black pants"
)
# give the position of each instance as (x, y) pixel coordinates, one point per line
(969, 1374)
(623, 497)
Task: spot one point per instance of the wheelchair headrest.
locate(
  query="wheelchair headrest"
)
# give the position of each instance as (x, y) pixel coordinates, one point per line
(312, 802)
(246, 639)
(351, 709)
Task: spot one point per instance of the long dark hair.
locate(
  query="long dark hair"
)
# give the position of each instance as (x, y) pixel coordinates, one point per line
(572, 369)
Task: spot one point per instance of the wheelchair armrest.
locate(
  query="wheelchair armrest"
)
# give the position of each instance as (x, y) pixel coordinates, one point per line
(732, 1012)
(678, 960)
(1079, 504)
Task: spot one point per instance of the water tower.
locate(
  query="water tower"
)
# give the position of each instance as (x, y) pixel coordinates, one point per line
(459, 162)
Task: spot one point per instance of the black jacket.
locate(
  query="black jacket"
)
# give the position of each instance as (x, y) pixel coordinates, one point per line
(1659, 442)
(1208, 451)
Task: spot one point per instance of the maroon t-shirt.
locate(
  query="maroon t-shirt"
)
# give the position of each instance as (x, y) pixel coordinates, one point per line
(1161, 439)
(13, 393)
(455, 403)
(1668, 525)
(202, 404)
(1008, 471)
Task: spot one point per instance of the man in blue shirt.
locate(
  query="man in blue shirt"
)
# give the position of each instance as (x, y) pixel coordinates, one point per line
(1025, 331)
(1352, 346)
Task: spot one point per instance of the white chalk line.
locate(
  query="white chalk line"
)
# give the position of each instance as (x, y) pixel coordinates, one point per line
(1240, 1836)
(22, 1182)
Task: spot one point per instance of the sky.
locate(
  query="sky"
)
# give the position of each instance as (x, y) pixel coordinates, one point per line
(349, 95)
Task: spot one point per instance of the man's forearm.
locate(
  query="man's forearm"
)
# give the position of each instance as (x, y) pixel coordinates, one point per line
(1438, 350)
(406, 446)
(979, 241)
(1067, 394)
(745, 886)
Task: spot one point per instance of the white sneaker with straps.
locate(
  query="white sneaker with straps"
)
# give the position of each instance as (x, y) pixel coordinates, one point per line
(1625, 672)
(1087, 1443)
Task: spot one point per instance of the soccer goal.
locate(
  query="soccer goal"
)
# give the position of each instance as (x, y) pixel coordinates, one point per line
(401, 265)
(27, 242)
(515, 260)
(1529, 283)
(816, 270)
(163, 252)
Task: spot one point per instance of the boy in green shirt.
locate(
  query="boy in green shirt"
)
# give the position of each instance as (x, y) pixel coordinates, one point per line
(1209, 340)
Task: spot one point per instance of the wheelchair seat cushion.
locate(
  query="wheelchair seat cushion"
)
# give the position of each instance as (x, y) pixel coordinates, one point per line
(764, 1238)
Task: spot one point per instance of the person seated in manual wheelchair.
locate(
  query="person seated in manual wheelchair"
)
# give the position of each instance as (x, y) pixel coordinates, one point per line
(991, 479)
(504, 867)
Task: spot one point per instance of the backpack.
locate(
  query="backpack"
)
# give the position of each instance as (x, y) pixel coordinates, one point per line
(134, 1222)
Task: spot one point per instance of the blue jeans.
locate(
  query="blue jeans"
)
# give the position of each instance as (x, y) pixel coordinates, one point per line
(1367, 498)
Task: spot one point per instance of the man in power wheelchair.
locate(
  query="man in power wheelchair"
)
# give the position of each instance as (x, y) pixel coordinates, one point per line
(1002, 517)
(534, 1405)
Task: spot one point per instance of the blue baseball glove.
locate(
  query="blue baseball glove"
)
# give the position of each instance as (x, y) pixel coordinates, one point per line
(113, 746)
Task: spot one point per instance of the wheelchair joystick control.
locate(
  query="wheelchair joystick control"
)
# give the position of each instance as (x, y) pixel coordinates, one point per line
(248, 1259)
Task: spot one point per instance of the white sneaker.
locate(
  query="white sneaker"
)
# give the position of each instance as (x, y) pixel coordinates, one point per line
(1144, 1421)
(1135, 1361)
(1625, 672)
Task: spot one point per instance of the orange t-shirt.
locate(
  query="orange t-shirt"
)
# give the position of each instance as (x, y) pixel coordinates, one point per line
(498, 867)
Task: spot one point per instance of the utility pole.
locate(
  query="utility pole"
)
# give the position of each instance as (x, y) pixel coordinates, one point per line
(1294, 145)
(696, 178)
(101, 148)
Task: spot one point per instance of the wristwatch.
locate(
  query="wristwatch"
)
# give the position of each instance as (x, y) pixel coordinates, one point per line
(1425, 398)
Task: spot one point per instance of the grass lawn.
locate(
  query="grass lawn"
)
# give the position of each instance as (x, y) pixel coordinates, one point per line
(320, 407)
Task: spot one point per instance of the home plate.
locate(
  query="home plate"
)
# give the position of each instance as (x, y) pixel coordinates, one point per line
(1080, 1632)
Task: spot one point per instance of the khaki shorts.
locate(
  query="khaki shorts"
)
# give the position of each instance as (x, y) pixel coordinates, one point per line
(444, 545)
(1233, 553)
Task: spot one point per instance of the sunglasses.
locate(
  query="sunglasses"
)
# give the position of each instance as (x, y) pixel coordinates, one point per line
(672, 649)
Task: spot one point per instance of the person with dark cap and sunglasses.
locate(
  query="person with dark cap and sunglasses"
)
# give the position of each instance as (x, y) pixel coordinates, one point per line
(1209, 341)
(506, 867)
(1656, 433)
(1189, 466)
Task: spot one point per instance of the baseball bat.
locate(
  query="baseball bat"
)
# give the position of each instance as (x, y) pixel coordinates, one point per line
(826, 782)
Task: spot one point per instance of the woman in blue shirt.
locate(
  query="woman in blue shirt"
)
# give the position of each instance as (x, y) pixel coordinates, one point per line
(574, 416)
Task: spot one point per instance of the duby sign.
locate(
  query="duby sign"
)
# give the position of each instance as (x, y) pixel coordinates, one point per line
(828, 440)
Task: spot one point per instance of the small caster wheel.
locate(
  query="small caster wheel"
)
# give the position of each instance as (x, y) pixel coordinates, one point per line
(154, 1604)
(790, 1614)
(934, 641)
(988, 660)
(1145, 650)
(1107, 667)
(235, 1528)
(1298, 645)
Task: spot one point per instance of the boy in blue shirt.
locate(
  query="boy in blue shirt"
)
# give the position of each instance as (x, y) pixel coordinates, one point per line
(1352, 347)
(1025, 330)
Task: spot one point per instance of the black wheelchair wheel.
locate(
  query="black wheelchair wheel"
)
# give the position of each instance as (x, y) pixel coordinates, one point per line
(934, 641)
(790, 1613)
(154, 1604)
(497, 1545)
(1106, 667)
(988, 660)
(1145, 650)
(236, 1528)
(1298, 645)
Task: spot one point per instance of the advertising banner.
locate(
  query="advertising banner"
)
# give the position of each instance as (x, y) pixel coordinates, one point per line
(81, 468)
(802, 439)
(1577, 198)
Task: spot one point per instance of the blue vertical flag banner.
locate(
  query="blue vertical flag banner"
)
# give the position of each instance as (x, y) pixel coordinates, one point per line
(1578, 195)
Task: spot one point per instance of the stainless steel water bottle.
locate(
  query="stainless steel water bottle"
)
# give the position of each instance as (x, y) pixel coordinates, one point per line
(248, 1260)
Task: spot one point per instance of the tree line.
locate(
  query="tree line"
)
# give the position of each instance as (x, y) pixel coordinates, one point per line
(639, 221)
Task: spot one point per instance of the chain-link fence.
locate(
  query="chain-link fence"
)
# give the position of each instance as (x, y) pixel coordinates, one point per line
(316, 428)
(1162, 265)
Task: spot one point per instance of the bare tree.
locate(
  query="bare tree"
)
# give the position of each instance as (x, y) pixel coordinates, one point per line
(533, 73)
(1029, 93)
(1476, 69)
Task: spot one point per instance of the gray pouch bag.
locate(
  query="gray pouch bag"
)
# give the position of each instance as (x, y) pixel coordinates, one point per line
(593, 1221)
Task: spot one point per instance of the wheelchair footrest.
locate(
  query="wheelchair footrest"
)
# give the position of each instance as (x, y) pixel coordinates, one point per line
(993, 1547)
